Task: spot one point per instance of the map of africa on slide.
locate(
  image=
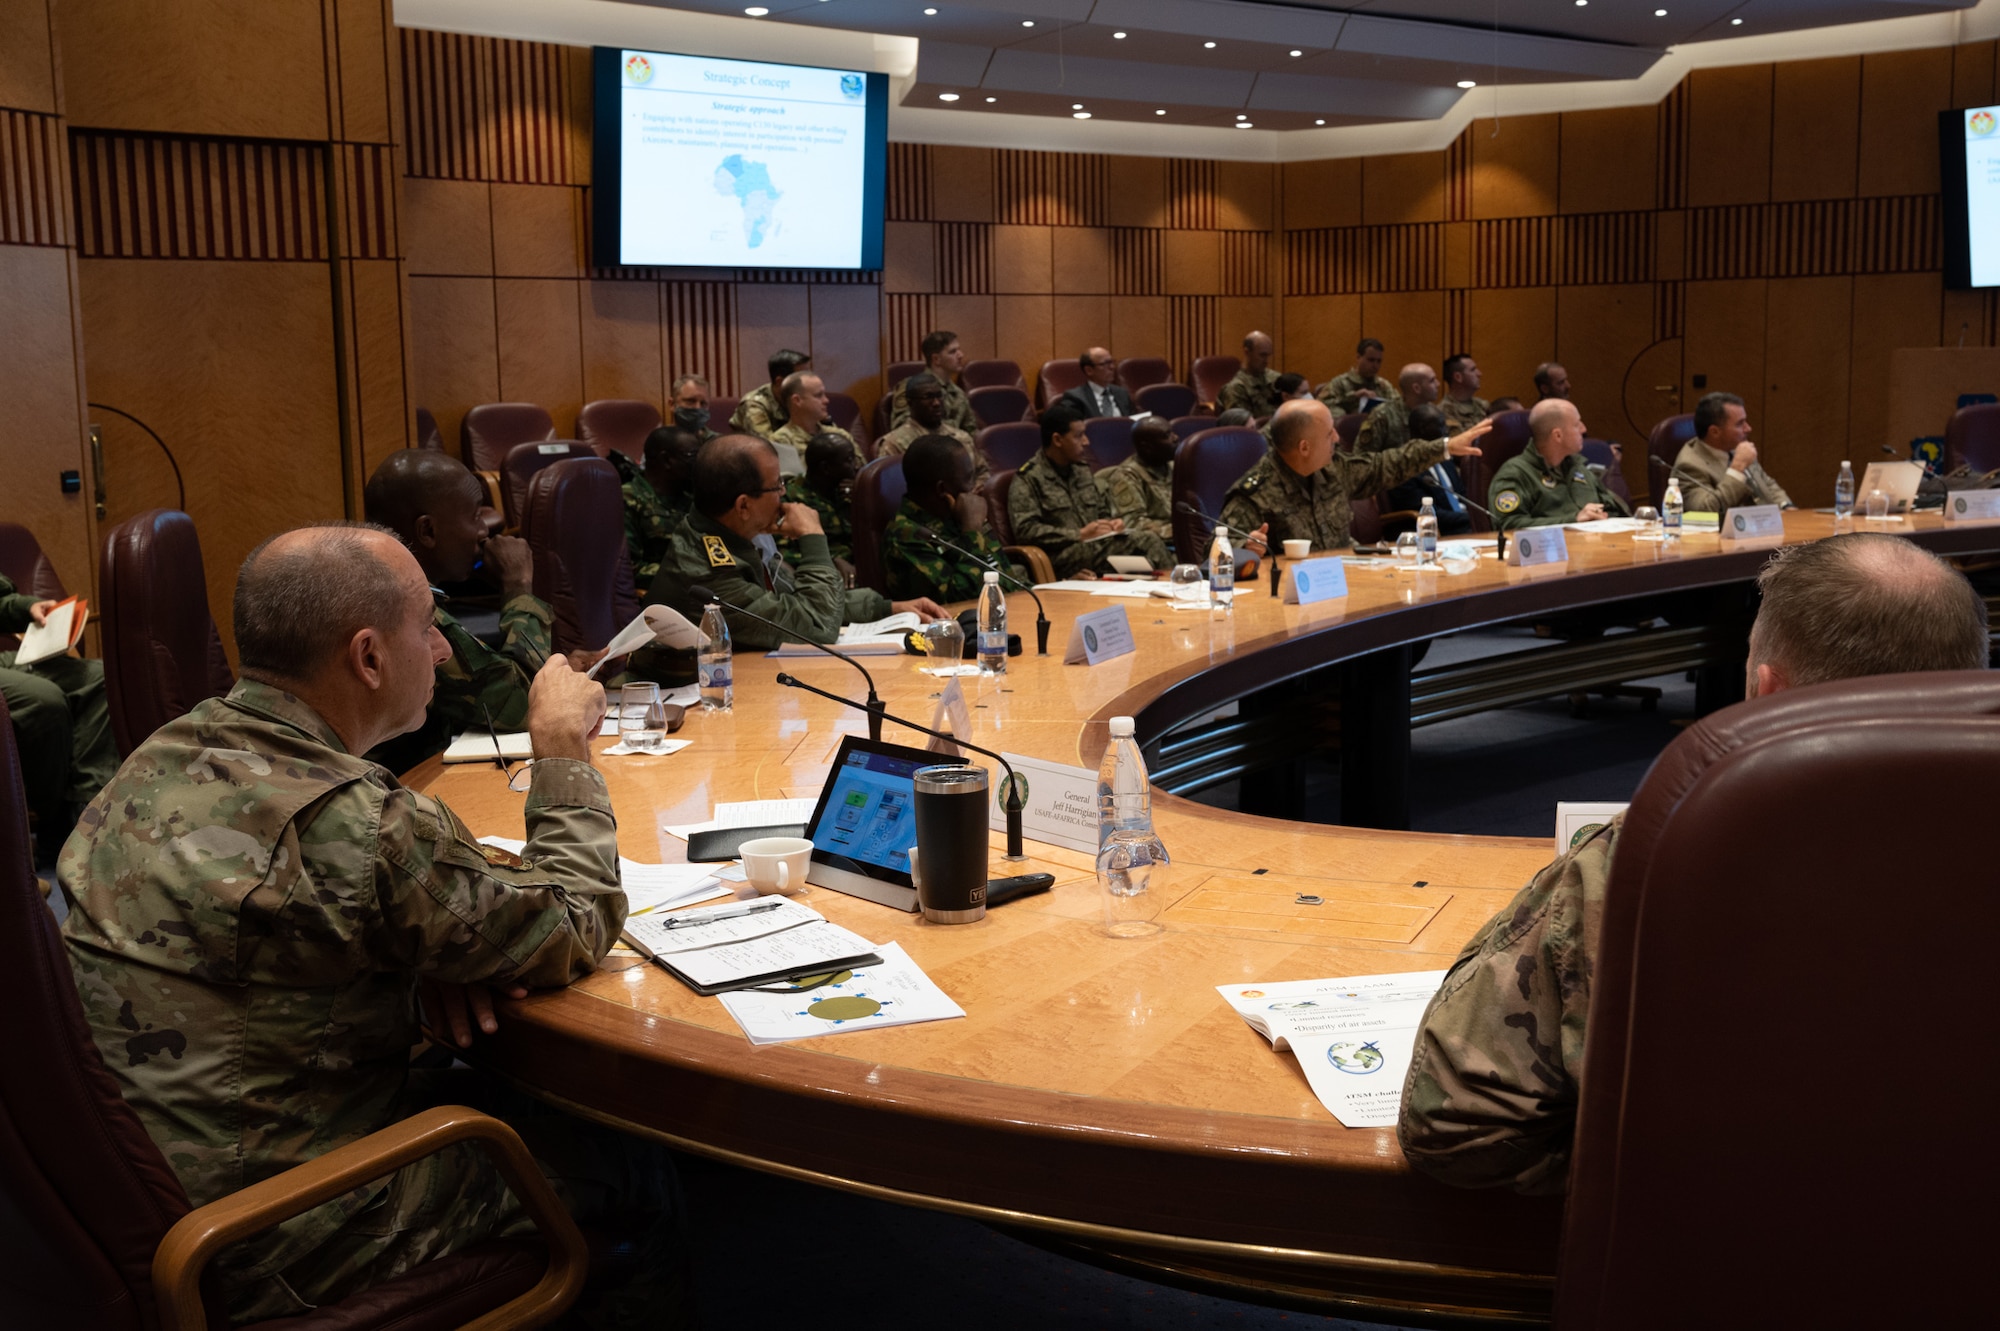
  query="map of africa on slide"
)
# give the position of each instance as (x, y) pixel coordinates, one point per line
(750, 184)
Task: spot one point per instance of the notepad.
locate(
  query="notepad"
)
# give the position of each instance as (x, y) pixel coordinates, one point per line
(879, 637)
(476, 746)
(736, 951)
(61, 629)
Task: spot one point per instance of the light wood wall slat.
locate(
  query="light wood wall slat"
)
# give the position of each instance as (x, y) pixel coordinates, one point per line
(160, 196)
(32, 180)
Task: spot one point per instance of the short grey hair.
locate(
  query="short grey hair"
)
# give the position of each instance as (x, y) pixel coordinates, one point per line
(1865, 603)
(296, 608)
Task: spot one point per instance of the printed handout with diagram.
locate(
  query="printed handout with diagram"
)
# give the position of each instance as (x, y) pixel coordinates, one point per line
(1352, 1036)
(894, 992)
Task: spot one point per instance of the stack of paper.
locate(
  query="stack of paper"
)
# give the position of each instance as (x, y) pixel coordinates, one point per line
(739, 945)
(894, 993)
(1352, 1036)
(881, 637)
(749, 813)
(650, 887)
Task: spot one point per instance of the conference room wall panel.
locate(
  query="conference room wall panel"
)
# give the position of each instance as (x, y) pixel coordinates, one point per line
(1135, 193)
(27, 57)
(1729, 135)
(846, 333)
(1023, 259)
(971, 317)
(1023, 332)
(1516, 166)
(1403, 188)
(1815, 128)
(623, 352)
(769, 316)
(1890, 310)
(909, 257)
(1320, 195)
(540, 337)
(537, 230)
(1080, 321)
(1975, 73)
(1807, 364)
(454, 348)
(1608, 160)
(378, 352)
(1082, 263)
(447, 226)
(1901, 94)
(1136, 321)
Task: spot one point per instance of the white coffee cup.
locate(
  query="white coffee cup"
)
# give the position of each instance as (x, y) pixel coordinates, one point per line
(776, 865)
(1298, 549)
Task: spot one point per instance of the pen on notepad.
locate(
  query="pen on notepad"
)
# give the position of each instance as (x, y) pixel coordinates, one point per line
(758, 909)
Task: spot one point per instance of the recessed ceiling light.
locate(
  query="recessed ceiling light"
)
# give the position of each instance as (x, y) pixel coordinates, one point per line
(1079, 115)
(1208, 46)
(1162, 111)
(1581, 3)
(947, 97)
(1076, 106)
(1319, 122)
(1241, 116)
(1659, 13)
(1244, 124)
(992, 99)
(1736, 23)
(1298, 53)
(1468, 83)
(756, 11)
(1117, 36)
(930, 11)
(1027, 23)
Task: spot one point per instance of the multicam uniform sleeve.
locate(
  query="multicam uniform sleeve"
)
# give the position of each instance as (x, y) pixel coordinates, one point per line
(14, 607)
(1490, 1098)
(1132, 501)
(1368, 474)
(458, 911)
(1044, 515)
(498, 678)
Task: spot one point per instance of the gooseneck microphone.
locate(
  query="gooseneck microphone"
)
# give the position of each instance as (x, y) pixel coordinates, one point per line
(874, 704)
(1013, 797)
(994, 566)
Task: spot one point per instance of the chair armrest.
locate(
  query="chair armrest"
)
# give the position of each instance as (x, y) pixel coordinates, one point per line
(1035, 558)
(494, 499)
(189, 1246)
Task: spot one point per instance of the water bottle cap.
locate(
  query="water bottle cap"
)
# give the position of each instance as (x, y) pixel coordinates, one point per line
(991, 576)
(1221, 530)
(1121, 727)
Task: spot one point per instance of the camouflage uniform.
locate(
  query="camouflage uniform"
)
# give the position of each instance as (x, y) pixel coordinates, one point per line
(649, 520)
(793, 439)
(837, 519)
(1316, 507)
(1462, 414)
(1384, 428)
(758, 413)
(957, 407)
(477, 674)
(1142, 495)
(1528, 492)
(62, 722)
(1342, 393)
(915, 567)
(1491, 1094)
(809, 599)
(251, 909)
(897, 442)
(1048, 505)
(1707, 486)
(1255, 393)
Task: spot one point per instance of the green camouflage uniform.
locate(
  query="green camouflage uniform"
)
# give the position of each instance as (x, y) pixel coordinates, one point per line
(795, 439)
(649, 520)
(497, 678)
(1048, 505)
(837, 518)
(1316, 508)
(758, 413)
(957, 408)
(1142, 495)
(1342, 393)
(1708, 487)
(62, 722)
(1491, 1095)
(1255, 393)
(1528, 492)
(1384, 428)
(915, 567)
(251, 909)
(1462, 415)
(809, 599)
(897, 442)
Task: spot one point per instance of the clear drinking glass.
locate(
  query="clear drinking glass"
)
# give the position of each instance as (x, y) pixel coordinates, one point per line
(1649, 522)
(642, 719)
(944, 642)
(1878, 504)
(1407, 550)
(1190, 584)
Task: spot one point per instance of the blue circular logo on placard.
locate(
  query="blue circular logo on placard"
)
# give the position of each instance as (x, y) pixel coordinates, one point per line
(1302, 581)
(1526, 548)
(1958, 504)
(1738, 520)
(852, 85)
(1090, 637)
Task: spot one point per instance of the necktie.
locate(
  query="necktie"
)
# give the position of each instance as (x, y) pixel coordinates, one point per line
(1444, 482)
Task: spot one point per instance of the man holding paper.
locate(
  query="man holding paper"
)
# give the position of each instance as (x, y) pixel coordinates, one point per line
(62, 723)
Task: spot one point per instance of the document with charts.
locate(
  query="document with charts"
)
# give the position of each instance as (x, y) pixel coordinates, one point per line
(1352, 1035)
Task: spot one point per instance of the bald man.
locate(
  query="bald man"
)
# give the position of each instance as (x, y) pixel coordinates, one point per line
(1255, 387)
(1301, 488)
(1548, 482)
(1388, 426)
(254, 905)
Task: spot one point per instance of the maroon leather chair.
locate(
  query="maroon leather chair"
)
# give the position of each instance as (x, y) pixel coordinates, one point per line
(24, 564)
(1204, 469)
(1972, 439)
(991, 374)
(720, 409)
(1057, 378)
(1031, 557)
(1137, 372)
(574, 521)
(878, 493)
(1783, 1062)
(493, 428)
(1507, 438)
(99, 1233)
(162, 654)
(1210, 373)
(1110, 440)
(427, 430)
(999, 405)
(898, 371)
(1346, 429)
(522, 463)
(1663, 446)
(1166, 400)
(618, 422)
(1008, 446)
(1364, 522)
(1186, 427)
(846, 413)
(1599, 452)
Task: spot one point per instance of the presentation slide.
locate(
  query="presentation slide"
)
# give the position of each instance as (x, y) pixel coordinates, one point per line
(1982, 192)
(730, 164)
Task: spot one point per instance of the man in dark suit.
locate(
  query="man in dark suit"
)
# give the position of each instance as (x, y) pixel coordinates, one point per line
(1099, 394)
(1440, 483)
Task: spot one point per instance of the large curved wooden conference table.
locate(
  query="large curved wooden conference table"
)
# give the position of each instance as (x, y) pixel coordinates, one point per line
(1099, 1093)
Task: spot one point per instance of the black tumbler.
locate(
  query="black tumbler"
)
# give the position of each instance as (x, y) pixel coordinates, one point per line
(951, 843)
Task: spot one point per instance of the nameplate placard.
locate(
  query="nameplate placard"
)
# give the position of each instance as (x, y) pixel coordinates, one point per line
(1973, 506)
(1061, 807)
(1529, 546)
(1753, 523)
(1312, 580)
(1099, 636)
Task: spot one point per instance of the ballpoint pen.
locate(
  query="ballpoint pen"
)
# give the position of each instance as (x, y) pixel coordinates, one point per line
(758, 909)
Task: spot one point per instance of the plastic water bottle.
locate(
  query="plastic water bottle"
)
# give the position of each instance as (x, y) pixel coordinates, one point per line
(1843, 493)
(712, 669)
(1670, 511)
(1427, 534)
(1128, 851)
(993, 627)
(1221, 570)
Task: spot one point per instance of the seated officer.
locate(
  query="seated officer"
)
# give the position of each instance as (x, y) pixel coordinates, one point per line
(1255, 387)
(1300, 489)
(923, 393)
(1492, 1091)
(1142, 486)
(431, 502)
(726, 545)
(1058, 504)
(688, 406)
(62, 725)
(1346, 392)
(807, 416)
(939, 497)
(256, 999)
(1388, 426)
(943, 359)
(656, 497)
(1438, 483)
(1548, 482)
(828, 489)
(1718, 468)
(762, 411)
(1461, 404)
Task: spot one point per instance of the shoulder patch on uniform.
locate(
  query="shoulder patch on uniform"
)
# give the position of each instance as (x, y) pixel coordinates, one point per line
(718, 552)
(501, 859)
(1506, 502)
